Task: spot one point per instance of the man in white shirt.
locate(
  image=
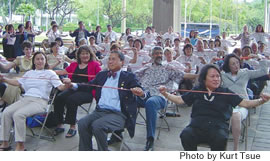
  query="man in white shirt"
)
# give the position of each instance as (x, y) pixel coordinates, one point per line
(54, 34)
(111, 34)
(226, 43)
(154, 31)
(170, 34)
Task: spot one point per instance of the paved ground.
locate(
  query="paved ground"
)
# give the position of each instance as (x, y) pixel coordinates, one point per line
(258, 134)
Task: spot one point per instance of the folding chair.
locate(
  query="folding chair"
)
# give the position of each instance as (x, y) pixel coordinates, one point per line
(123, 143)
(49, 137)
(163, 119)
(87, 109)
(139, 113)
(244, 132)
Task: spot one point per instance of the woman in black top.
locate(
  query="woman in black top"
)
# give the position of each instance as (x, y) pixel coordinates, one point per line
(211, 110)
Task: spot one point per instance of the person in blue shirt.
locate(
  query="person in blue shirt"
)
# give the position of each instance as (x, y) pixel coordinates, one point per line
(116, 108)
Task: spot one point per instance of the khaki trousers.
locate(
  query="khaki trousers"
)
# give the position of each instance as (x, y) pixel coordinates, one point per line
(17, 113)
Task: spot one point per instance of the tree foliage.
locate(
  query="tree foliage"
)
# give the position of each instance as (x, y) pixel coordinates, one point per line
(25, 9)
(59, 9)
(229, 14)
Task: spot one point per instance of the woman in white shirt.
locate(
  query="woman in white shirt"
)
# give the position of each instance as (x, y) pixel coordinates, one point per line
(10, 37)
(125, 36)
(55, 59)
(142, 56)
(149, 37)
(37, 84)
(168, 53)
(259, 34)
(190, 60)
(105, 46)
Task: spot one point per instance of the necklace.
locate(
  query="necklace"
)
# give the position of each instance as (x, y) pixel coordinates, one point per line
(209, 100)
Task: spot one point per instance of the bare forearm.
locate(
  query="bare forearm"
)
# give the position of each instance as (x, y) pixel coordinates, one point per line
(13, 82)
(54, 65)
(8, 66)
(134, 59)
(190, 76)
(62, 87)
(61, 72)
(174, 98)
(251, 103)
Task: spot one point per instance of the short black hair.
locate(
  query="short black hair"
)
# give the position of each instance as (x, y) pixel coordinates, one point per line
(120, 55)
(187, 46)
(10, 26)
(148, 27)
(247, 47)
(218, 40)
(130, 38)
(138, 40)
(98, 27)
(203, 74)
(26, 44)
(53, 22)
(176, 39)
(80, 22)
(20, 25)
(53, 44)
(53, 26)
(226, 67)
(59, 39)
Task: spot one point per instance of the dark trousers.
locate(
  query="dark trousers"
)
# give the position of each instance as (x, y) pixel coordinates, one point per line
(99, 123)
(71, 100)
(3, 87)
(216, 138)
(9, 51)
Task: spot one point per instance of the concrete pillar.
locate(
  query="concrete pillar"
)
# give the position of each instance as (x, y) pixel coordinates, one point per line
(123, 22)
(177, 16)
(266, 17)
(167, 13)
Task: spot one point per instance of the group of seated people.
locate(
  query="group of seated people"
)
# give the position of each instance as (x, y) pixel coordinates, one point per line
(141, 72)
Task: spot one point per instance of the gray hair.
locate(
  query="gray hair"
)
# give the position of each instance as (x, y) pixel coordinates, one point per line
(82, 39)
(120, 55)
(154, 49)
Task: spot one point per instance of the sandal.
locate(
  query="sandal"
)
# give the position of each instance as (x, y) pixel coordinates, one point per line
(58, 130)
(71, 133)
(5, 148)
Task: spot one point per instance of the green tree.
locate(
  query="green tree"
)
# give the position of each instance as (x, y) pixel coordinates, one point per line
(141, 15)
(25, 10)
(59, 9)
(88, 12)
(112, 9)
